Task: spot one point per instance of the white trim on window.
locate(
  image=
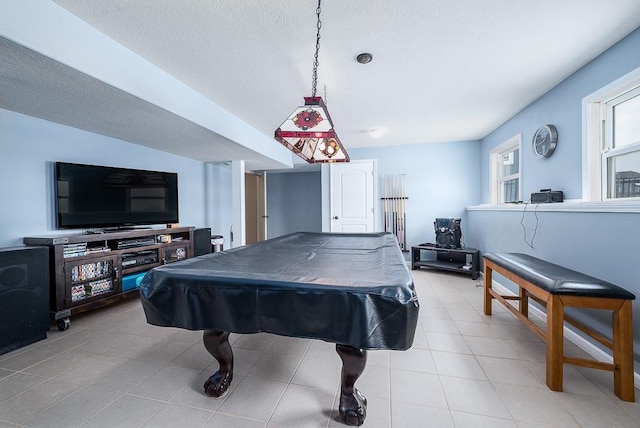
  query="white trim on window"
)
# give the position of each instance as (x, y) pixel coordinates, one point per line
(594, 113)
(496, 157)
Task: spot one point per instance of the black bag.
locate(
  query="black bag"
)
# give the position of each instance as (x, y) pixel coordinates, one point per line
(448, 232)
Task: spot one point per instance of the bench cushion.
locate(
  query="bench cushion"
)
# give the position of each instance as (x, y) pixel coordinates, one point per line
(557, 279)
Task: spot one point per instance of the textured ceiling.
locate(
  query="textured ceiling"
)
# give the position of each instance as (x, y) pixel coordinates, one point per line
(442, 70)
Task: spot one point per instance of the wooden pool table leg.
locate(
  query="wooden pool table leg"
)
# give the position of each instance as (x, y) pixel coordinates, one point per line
(217, 343)
(353, 405)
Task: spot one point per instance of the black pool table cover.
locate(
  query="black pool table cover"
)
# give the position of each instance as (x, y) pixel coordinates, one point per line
(351, 289)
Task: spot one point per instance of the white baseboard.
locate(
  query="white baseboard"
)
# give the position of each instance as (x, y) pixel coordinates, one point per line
(569, 333)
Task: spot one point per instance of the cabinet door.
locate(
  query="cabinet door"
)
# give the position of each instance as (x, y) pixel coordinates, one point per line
(175, 252)
(90, 279)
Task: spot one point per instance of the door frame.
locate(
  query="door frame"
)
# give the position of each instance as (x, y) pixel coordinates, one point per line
(328, 194)
(255, 206)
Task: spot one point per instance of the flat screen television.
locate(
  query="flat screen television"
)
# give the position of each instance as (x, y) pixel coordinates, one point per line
(90, 196)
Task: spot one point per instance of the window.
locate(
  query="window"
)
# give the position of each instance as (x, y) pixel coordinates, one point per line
(621, 154)
(505, 171)
(611, 147)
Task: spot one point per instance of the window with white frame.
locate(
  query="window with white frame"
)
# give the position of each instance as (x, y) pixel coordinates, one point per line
(621, 154)
(611, 148)
(505, 171)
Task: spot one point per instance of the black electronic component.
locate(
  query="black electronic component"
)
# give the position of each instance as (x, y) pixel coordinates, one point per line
(24, 296)
(448, 232)
(202, 241)
(547, 196)
(138, 259)
(132, 243)
(90, 196)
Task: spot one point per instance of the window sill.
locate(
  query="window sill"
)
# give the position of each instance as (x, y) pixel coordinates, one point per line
(566, 206)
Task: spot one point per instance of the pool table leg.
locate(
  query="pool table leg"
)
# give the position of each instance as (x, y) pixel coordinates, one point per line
(353, 405)
(217, 343)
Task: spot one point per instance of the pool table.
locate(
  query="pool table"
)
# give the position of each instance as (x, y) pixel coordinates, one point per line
(354, 290)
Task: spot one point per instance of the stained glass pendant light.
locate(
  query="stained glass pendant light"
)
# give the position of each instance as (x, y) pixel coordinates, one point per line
(308, 131)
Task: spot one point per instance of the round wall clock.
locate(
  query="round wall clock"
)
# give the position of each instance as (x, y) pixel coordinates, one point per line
(545, 140)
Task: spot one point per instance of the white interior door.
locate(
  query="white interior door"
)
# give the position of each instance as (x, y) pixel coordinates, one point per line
(352, 192)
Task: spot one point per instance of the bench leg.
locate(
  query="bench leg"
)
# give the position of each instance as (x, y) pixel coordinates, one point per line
(555, 346)
(623, 352)
(524, 302)
(488, 282)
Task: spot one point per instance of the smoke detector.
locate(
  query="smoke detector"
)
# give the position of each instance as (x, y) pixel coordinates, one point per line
(364, 58)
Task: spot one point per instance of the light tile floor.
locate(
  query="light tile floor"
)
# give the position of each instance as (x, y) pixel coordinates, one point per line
(112, 369)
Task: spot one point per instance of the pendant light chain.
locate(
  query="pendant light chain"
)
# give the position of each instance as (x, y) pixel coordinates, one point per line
(315, 62)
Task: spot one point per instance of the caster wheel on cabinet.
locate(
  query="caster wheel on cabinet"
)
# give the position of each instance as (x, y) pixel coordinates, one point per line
(63, 324)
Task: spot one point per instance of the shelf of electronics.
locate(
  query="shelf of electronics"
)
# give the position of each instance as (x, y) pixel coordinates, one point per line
(83, 248)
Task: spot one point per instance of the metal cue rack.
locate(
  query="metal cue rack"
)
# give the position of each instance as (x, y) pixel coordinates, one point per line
(394, 202)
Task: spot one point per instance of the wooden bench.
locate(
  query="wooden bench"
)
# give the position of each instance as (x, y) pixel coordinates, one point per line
(555, 287)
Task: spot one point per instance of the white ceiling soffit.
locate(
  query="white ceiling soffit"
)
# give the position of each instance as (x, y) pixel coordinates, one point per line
(442, 70)
(38, 86)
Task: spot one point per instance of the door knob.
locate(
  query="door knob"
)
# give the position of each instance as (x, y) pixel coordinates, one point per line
(335, 218)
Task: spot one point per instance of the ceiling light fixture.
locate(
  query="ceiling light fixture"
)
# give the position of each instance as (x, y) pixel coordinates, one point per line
(376, 133)
(308, 131)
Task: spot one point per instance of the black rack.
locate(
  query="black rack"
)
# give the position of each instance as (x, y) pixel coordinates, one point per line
(464, 260)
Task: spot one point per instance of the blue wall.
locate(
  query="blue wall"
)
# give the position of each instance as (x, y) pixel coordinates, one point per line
(602, 244)
(220, 201)
(30, 146)
(440, 178)
(441, 181)
(294, 203)
(561, 106)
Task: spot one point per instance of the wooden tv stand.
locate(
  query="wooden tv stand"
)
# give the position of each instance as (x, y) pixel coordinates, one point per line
(91, 270)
